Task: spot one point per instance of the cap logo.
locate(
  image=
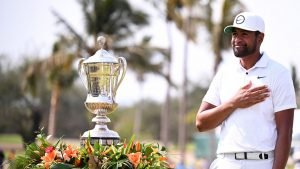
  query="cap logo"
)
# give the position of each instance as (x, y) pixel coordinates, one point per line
(240, 19)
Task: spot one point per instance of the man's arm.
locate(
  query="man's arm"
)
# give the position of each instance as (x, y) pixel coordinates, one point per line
(284, 124)
(210, 116)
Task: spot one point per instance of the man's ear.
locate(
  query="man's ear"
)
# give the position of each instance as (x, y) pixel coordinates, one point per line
(261, 37)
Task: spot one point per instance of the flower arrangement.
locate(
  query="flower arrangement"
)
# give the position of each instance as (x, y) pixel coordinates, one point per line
(131, 155)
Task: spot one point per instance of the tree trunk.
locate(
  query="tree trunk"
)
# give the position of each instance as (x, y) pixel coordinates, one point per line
(183, 107)
(164, 122)
(164, 116)
(53, 109)
(216, 47)
(138, 114)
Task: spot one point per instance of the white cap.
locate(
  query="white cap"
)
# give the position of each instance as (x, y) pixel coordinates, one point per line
(247, 21)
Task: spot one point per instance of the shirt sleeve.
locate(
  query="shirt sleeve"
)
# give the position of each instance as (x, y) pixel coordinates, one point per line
(283, 94)
(212, 95)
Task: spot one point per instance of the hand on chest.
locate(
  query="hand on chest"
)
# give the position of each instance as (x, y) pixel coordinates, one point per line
(231, 83)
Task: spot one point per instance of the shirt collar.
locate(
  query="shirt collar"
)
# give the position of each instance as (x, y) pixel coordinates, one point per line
(262, 62)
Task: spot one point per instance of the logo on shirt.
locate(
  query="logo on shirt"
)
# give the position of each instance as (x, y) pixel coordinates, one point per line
(260, 77)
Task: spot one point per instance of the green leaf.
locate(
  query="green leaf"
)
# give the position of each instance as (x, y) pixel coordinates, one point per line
(113, 148)
(129, 144)
(30, 151)
(58, 141)
(61, 166)
(96, 146)
(148, 151)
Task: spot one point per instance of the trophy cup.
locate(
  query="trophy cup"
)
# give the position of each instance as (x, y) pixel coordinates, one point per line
(101, 75)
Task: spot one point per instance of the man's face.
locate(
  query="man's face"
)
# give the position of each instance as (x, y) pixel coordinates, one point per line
(244, 43)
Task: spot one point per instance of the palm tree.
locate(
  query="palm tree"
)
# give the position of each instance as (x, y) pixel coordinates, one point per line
(230, 8)
(139, 60)
(31, 86)
(188, 26)
(15, 108)
(112, 18)
(197, 13)
(170, 15)
(117, 21)
(60, 75)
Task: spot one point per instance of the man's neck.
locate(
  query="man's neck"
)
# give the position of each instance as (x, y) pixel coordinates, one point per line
(249, 61)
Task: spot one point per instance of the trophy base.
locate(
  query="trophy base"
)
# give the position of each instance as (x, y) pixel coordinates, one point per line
(100, 134)
(103, 141)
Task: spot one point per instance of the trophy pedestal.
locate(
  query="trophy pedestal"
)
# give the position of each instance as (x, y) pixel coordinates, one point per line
(101, 133)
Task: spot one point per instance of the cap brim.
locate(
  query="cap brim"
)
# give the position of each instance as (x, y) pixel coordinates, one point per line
(230, 28)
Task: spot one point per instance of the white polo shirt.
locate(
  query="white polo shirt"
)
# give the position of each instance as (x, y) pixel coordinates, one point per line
(252, 128)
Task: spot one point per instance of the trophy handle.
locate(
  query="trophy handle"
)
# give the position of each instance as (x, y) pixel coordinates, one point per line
(123, 65)
(79, 69)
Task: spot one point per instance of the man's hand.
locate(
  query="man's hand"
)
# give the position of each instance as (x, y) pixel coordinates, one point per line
(248, 96)
(210, 116)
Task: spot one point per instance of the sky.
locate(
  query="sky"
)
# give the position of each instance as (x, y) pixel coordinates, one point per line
(29, 28)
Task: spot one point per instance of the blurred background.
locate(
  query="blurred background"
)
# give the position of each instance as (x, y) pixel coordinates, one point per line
(173, 49)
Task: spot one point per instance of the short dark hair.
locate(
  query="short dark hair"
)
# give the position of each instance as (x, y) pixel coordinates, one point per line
(257, 33)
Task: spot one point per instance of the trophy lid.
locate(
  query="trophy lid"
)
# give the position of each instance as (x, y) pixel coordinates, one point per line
(101, 56)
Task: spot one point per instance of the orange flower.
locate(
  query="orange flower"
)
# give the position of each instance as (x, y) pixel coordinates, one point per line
(124, 143)
(135, 158)
(70, 153)
(162, 158)
(89, 147)
(49, 156)
(137, 146)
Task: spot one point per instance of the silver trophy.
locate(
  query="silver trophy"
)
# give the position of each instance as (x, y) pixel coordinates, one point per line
(101, 74)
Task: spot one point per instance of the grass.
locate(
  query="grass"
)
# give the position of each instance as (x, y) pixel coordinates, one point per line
(10, 139)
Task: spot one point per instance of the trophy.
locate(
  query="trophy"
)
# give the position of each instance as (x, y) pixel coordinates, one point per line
(101, 75)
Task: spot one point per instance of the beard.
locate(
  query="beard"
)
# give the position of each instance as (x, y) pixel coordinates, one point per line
(244, 50)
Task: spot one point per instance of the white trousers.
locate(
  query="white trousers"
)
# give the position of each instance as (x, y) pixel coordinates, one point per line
(231, 163)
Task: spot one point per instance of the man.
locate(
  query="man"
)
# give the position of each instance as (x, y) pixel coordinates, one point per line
(253, 101)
